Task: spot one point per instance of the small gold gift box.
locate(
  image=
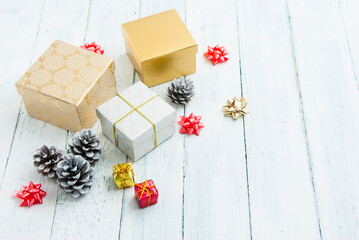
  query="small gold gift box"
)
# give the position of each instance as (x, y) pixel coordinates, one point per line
(66, 84)
(160, 47)
(123, 175)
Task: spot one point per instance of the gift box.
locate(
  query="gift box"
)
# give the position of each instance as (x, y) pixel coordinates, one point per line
(137, 120)
(123, 175)
(146, 193)
(160, 47)
(66, 84)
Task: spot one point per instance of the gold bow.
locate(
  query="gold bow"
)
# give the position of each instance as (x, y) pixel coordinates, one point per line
(134, 109)
(236, 108)
(122, 169)
(143, 189)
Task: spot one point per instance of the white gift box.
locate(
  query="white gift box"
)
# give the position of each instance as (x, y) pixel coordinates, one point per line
(137, 120)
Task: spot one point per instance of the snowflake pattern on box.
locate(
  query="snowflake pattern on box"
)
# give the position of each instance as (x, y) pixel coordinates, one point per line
(134, 133)
(66, 84)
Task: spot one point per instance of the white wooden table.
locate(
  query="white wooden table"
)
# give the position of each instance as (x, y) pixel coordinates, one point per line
(288, 170)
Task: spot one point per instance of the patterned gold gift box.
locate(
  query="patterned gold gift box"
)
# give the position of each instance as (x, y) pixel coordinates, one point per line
(123, 175)
(137, 120)
(66, 84)
(160, 47)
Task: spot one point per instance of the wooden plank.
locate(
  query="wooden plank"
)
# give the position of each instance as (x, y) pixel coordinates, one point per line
(36, 222)
(282, 203)
(101, 207)
(15, 59)
(281, 194)
(215, 190)
(350, 17)
(330, 100)
(164, 166)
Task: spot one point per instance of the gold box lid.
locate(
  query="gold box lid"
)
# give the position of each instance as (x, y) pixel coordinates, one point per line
(65, 72)
(158, 35)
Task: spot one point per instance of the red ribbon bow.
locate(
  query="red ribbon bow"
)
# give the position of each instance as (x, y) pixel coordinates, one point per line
(30, 195)
(190, 124)
(216, 54)
(93, 47)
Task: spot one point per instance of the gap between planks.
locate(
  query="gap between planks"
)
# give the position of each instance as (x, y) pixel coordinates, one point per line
(310, 165)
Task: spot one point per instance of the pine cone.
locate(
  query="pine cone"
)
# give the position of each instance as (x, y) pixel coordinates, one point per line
(86, 144)
(181, 91)
(75, 175)
(46, 160)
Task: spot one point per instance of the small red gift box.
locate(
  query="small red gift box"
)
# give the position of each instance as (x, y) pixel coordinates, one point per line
(146, 193)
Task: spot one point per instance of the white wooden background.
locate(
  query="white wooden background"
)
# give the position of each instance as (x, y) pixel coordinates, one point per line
(288, 170)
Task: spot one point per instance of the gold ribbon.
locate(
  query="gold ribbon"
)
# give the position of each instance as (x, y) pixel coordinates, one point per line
(145, 189)
(121, 169)
(118, 169)
(134, 109)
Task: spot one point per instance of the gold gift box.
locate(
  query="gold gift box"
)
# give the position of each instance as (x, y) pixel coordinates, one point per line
(160, 47)
(66, 84)
(123, 175)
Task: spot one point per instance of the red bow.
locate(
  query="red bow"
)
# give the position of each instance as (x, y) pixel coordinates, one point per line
(93, 47)
(30, 195)
(190, 124)
(216, 54)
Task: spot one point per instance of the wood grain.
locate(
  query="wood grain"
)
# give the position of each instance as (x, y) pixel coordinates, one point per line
(330, 105)
(215, 192)
(280, 187)
(287, 170)
(348, 11)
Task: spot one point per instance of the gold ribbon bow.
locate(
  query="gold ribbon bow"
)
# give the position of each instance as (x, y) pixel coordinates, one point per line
(120, 168)
(236, 108)
(134, 109)
(143, 189)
